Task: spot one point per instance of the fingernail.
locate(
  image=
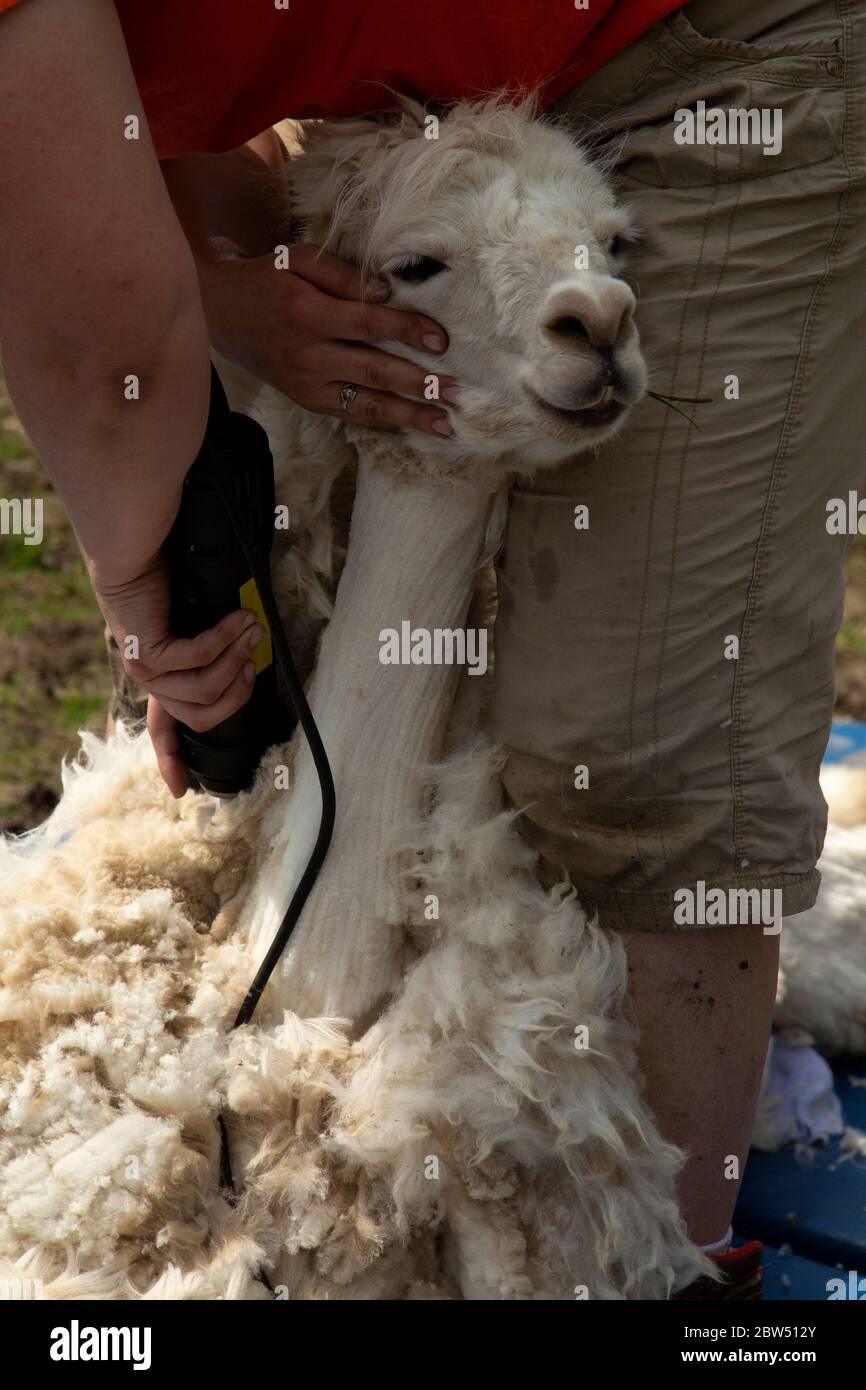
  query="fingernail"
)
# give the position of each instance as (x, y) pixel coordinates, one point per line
(248, 618)
(451, 394)
(442, 425)
(256, 635)
(249, 672)
(434, 341)
(379, 289)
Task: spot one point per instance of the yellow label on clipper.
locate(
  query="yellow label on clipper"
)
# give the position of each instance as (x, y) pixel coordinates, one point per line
(263, 652)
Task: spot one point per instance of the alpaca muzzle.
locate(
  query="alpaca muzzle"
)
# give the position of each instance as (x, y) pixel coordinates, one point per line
(592, 312)
(589, 367)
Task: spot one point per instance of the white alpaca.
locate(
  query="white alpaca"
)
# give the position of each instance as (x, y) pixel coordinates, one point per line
(464, 1104)
(822, 986)
(413, 1113)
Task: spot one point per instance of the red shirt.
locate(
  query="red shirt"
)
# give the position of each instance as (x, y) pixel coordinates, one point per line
(214, 73)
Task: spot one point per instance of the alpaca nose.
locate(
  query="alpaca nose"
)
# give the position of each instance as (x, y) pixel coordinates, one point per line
(591, 314)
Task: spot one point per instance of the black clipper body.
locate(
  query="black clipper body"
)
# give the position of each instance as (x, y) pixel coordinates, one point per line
(219, 555)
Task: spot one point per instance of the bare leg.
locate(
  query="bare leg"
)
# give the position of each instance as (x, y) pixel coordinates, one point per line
(703, 1002)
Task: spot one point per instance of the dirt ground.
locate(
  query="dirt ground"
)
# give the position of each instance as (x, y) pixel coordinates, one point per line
(53, 676)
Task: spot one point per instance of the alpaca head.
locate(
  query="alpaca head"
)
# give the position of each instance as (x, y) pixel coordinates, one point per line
(502, 230)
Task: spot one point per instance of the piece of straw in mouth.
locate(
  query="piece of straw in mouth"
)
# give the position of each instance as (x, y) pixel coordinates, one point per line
(670, 401)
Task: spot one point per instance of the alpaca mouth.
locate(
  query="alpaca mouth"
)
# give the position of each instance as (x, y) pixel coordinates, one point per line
(600, 412)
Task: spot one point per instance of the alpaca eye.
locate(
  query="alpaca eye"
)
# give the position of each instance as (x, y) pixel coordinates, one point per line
(614, 246)
(418, 268)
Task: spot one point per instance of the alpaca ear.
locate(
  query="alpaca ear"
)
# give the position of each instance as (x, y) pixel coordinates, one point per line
(336, 156)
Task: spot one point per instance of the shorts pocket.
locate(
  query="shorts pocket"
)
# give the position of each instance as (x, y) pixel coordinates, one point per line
(681, 36)
(714, 111)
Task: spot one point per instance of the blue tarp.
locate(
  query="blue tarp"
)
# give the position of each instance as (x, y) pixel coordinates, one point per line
(813, 1204)
(812, 1201)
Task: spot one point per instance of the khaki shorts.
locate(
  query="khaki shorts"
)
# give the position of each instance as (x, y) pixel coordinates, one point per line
(614, 647)
(613, 643)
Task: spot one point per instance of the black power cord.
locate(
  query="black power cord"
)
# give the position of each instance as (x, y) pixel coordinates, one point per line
(234, 466)
(326, 785)
(323, 770)
(298, 900)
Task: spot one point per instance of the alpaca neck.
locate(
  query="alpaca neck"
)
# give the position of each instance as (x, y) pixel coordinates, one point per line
(415, 547)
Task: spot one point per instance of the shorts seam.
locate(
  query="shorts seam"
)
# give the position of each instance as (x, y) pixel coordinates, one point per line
(738, 178)
(644, 76)
(668, 45)
(792, 415)
(683, 454)
(651, 908)
(778, 879)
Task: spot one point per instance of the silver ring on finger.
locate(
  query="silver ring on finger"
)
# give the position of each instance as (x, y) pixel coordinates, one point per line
(348, 393)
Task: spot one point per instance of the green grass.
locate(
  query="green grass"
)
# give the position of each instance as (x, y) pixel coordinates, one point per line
(11, 449)
(19, 556)
(851, 638)
(78, 711)
(53, 675)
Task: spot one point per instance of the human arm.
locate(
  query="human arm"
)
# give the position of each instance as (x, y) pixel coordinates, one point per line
(97, 285)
